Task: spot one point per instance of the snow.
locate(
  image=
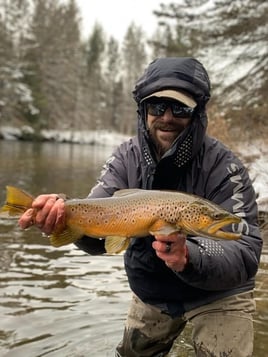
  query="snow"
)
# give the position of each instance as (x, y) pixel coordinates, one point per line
(101, 137)
(253, 155)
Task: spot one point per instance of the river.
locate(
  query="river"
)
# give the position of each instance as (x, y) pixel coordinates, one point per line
(63, 302)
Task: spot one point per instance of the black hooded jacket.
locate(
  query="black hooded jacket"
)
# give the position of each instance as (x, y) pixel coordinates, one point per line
(196, 164)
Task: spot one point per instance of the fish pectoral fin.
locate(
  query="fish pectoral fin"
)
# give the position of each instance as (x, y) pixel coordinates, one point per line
(115, 244)
(163, 228)
(67, 236)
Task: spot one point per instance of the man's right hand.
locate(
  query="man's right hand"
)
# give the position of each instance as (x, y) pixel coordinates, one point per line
(47, 213)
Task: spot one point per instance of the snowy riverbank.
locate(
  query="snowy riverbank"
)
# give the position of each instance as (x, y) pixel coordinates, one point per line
(254, 155)
(89, 137)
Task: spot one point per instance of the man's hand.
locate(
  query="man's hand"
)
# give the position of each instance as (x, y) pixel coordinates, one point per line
(173, 250)
(47, 213)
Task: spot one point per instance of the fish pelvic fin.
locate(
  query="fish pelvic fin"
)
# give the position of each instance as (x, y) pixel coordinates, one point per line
(116, 245)
(17, 201)
(65, 237)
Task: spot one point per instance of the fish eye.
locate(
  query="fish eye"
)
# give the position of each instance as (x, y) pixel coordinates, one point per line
(218, 215)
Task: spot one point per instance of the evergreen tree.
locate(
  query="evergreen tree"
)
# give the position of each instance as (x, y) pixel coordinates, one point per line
(230, 38)
(113, 85)
(15, 95)
(95, 82)
(54, 60)
(134, 58)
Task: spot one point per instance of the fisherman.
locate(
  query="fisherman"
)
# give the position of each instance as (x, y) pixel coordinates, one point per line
(179, 278)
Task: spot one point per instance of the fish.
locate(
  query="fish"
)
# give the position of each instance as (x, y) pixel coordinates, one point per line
(132, 213)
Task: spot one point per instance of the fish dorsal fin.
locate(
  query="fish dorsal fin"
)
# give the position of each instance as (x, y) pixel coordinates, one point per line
(126, 192)
(115, 245)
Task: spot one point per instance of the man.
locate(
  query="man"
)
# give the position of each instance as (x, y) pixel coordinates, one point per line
(176, 278)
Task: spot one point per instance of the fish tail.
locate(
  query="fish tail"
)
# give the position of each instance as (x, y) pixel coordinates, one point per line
(17, 201)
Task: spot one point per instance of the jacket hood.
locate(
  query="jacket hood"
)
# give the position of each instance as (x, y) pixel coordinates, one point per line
(177, 73)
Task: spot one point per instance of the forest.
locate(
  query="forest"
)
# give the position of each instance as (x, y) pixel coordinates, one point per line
(53, 78)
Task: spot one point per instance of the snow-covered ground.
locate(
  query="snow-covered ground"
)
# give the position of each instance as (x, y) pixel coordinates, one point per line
(254, 154)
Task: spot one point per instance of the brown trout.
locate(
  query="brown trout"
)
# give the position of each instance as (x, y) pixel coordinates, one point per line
(132, 213)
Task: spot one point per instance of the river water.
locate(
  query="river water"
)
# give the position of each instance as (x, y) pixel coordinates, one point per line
(61, 301)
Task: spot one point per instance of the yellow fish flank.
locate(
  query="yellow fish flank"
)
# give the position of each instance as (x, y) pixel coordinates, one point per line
(132, 213)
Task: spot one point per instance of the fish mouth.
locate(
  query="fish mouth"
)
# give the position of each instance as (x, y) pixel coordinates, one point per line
(214, 230)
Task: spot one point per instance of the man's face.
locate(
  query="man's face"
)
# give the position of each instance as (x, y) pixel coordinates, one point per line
(166, 120)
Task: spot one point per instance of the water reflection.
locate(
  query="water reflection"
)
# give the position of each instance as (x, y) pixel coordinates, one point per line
(48, 167)
(59, 302)
(62, 302)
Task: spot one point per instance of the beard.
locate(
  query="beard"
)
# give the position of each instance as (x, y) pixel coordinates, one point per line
(163, 136)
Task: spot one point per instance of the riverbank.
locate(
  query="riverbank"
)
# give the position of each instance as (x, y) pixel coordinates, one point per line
(254, 154)
(88, 137)
(255, 157)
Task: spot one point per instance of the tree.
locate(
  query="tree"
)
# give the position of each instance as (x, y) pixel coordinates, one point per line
(95, 51)
(113, 85)
(134, 59)
(16, 96)
(166, 43)
(230, 38)
(53, 59)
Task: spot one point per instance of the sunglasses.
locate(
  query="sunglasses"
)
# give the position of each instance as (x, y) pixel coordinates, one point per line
(158, 108)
